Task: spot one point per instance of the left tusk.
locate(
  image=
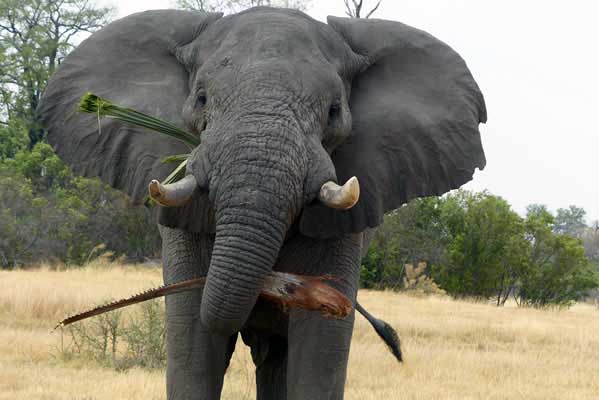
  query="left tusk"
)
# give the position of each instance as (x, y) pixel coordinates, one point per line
(174, 194)
(340, 197)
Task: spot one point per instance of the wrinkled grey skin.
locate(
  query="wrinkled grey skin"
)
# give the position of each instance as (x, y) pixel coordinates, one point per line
(283, 103)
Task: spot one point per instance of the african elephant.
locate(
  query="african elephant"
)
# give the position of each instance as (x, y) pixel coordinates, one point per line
(283, 104)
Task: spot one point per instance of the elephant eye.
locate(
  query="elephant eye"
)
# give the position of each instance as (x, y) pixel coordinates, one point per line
(201, 99)
(334, 111)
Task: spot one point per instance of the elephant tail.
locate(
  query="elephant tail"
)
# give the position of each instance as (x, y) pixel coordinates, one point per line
(385, 332)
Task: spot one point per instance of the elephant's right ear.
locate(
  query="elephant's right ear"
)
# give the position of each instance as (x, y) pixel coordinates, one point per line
(131, 62)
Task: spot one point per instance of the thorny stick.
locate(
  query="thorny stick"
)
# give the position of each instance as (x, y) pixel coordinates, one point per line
(285, 289)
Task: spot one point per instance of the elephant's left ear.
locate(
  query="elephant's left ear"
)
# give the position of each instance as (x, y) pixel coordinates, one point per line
(416, 110)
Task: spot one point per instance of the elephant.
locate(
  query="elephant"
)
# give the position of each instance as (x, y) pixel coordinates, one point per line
(288, 109)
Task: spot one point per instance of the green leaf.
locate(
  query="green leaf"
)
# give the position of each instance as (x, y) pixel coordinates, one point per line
(91, 103)
(177, 174)
(175, 159)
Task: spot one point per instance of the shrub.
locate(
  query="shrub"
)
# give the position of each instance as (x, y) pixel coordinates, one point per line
(48, 214)
(120, 341)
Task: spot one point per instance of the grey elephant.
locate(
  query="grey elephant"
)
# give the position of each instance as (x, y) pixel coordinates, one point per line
(287, 108)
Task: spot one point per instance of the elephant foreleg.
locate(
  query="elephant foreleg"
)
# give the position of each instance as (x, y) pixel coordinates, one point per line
(318, 355)
(196, 359)
(318, 348)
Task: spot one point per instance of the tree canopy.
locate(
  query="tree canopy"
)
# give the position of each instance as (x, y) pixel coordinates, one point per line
(475, 245)
(35, 35)
(233, 6)
(45, 212)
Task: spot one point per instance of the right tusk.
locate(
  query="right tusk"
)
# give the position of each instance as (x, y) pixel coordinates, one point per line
(174, 194)
(340, 197)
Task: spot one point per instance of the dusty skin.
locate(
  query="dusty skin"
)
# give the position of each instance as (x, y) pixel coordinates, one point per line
(453, 349)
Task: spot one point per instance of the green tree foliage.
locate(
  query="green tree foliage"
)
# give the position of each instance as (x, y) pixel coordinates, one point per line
(409, 235)
(35, 35)
(590, 240)
(558, 271)
(13, 138)
(47, 213)
(483, 245)
(570, 221)
(477, 246)
(233, 6)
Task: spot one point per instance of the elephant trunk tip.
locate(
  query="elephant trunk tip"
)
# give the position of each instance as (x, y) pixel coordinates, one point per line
(218, 325)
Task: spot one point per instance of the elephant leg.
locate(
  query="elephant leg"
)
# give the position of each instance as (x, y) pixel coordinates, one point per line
(318, 348)
(318, 355)
(270, 357)
(196, 359)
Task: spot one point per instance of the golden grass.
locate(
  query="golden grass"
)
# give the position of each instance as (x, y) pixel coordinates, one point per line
(453, 350)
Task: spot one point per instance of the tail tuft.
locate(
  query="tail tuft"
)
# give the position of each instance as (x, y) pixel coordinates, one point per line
(385, 332)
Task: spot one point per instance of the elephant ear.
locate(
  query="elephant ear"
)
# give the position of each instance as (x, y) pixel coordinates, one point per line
(131, 62)
(416, 110)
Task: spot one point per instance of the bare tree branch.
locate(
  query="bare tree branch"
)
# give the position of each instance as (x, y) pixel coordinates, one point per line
(354, 10)
(373, 10)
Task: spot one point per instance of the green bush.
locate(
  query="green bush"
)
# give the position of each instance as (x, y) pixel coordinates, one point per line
(46, 213)
(120, 341)
(476, 246)
(145, 337)
(558, 272)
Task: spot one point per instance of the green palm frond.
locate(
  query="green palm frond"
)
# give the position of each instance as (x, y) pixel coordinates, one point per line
(178, 158)
(177, 174)
(91, 103)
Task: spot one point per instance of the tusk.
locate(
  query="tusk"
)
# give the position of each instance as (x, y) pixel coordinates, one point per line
(340, 197)
(173, 194)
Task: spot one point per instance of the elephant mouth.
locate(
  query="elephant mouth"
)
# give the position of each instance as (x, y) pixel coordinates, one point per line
(179, 193)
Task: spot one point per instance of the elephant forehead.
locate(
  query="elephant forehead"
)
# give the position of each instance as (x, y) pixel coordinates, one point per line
(267, 34)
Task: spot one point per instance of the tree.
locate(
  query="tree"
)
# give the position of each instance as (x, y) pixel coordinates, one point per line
(46, 213)
(354, 10)
(233, 6)
(570, 221)
(410, 235)
(202, 5)
(477, 246)
(558, 272)
(35, 35)
(485, 246)
(590, 241)
(13, 138)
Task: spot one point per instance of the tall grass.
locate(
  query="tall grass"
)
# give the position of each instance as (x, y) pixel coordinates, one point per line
(453, 349)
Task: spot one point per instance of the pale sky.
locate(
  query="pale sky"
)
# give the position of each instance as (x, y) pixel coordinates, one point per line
(537, 63)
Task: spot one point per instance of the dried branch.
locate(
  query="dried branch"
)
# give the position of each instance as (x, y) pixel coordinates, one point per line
(373, 10)
(285, 289)
(354, 10)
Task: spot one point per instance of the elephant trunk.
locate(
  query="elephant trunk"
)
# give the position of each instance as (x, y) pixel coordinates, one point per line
(257, 197)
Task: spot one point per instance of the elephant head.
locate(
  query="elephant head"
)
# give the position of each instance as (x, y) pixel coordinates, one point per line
(283, 104)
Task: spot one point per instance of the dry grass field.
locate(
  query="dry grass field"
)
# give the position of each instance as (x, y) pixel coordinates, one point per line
(453, 350)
